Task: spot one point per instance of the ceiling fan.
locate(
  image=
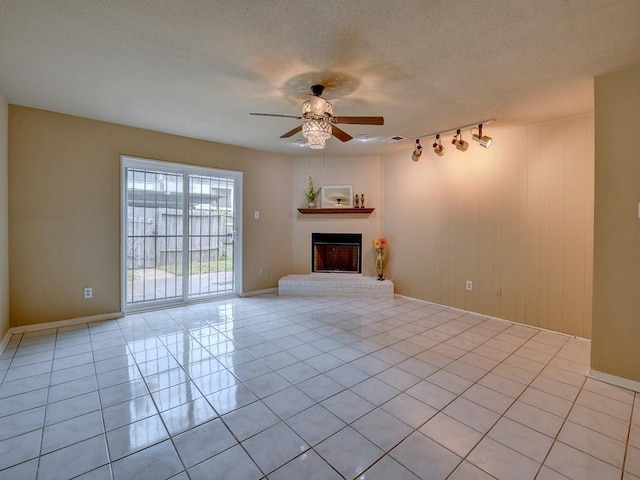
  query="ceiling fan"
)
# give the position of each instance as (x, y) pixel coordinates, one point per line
(318, 120)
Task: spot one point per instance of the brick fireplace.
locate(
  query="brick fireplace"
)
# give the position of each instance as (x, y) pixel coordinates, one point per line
(336, 271)
(336, 253)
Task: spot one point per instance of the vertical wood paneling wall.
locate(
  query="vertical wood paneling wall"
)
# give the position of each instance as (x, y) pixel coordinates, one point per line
(515, 219)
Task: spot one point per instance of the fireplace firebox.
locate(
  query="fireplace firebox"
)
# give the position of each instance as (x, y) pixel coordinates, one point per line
(336, 252)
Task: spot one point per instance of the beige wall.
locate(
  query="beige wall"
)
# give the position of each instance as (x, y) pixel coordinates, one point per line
(64, 216)
(616, 302)
(364, 174)
(515, 219)
(4, 219)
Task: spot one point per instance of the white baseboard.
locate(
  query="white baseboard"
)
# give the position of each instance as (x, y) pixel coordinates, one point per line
(255, 293)
(615, 380)
(534, 327)
(60, 323)
(66, 323)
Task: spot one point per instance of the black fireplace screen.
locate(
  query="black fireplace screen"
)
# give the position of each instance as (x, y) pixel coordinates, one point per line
(336, 252)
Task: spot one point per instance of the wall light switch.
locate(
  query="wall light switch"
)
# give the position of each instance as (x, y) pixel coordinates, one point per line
(256, 215)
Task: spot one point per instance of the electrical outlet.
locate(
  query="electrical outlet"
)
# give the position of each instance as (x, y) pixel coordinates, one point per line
(88, 292)
(469, 285)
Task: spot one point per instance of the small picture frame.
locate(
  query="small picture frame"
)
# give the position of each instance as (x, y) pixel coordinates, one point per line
(336, 196)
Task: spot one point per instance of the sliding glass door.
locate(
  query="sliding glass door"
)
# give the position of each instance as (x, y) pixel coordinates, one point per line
(180, 229)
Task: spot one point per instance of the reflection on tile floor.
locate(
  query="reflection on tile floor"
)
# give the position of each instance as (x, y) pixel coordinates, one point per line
(310, 388)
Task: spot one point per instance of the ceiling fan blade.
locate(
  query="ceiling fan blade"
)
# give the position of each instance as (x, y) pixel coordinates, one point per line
(290, 133)
(360, 120)
(276, 115)
(340, 134)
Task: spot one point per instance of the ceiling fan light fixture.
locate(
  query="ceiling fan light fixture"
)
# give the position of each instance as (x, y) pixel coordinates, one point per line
(483, 140)
(319, 124)
(317, 132)
(316, 108)
(437, 146)
(459, 142)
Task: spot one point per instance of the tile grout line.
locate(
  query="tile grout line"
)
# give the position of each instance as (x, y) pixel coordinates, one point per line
(626, 448)
(46, 406)
(318, 307)
(186, 471)
(155, 403)
(471, 326)
(441, 410)
(564, 420)
(485, 434)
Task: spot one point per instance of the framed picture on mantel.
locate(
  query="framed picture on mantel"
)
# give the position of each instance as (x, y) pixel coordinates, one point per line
(336, 196)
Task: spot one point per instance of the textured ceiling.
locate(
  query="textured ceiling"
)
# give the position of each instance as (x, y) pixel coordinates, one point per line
(197, 68)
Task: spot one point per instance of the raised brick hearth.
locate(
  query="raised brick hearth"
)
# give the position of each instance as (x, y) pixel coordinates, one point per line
(334, 285)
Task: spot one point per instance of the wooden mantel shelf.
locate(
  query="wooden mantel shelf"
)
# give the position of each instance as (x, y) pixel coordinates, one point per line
(335, 210)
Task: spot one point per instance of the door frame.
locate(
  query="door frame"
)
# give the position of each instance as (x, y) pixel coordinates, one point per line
(128, 161)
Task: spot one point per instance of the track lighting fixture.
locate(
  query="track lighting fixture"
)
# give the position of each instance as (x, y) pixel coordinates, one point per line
(459, 142)
(483, 140)
(437, 146)
(417, 151)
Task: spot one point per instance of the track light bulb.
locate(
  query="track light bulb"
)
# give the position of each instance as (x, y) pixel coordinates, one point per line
(483, 140)
(417, 151)
(459, 142)
(437, 146)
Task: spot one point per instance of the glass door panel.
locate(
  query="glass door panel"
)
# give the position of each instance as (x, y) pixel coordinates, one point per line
(211, 235)
(180, 233)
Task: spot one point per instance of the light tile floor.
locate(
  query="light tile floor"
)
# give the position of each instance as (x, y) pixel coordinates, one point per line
(310, 388)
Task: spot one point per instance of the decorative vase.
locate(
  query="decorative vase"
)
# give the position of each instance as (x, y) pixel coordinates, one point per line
(312, 204)
(356, 200)
(362, 200)
(380, 263)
